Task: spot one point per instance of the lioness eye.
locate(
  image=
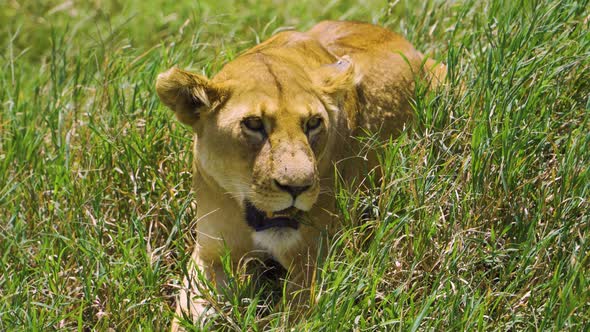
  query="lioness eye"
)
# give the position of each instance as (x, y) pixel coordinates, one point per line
(313, 123)
(253, 123)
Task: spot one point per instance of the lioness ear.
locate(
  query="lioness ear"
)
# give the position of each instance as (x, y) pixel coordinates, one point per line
(187, 94)
(337, 78)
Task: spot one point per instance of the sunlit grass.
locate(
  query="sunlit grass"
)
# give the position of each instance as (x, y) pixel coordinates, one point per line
(482, 222)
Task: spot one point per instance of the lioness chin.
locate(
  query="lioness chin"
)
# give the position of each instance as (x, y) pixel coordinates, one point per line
(269, 129)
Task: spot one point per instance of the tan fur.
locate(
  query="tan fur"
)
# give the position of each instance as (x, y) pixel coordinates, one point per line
(357, 77)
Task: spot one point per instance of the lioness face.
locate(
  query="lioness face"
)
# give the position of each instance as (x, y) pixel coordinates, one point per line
(263, 150)
(261, 136)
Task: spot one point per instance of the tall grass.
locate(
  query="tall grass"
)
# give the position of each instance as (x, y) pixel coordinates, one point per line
(482, 222)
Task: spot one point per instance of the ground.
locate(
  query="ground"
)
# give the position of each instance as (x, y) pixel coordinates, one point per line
(482, 222)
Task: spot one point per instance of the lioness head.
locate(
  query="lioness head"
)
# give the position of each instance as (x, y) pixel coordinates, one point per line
(265, 125)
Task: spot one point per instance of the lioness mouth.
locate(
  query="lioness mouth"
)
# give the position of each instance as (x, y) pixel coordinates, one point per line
(260, 220)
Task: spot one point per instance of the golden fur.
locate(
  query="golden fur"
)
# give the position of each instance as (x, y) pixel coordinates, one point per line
(257, 137)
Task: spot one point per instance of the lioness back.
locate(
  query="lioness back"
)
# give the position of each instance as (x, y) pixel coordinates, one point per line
(387, 65)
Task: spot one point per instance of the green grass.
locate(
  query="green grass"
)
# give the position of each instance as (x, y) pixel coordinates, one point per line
(483, 222)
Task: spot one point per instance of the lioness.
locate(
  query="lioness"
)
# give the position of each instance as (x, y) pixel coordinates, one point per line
(269, 129)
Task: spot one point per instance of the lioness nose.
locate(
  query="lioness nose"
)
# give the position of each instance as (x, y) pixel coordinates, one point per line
(293, 190)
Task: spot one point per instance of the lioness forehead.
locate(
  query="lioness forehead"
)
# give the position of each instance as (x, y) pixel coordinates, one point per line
(271, 74)
(270, 106)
